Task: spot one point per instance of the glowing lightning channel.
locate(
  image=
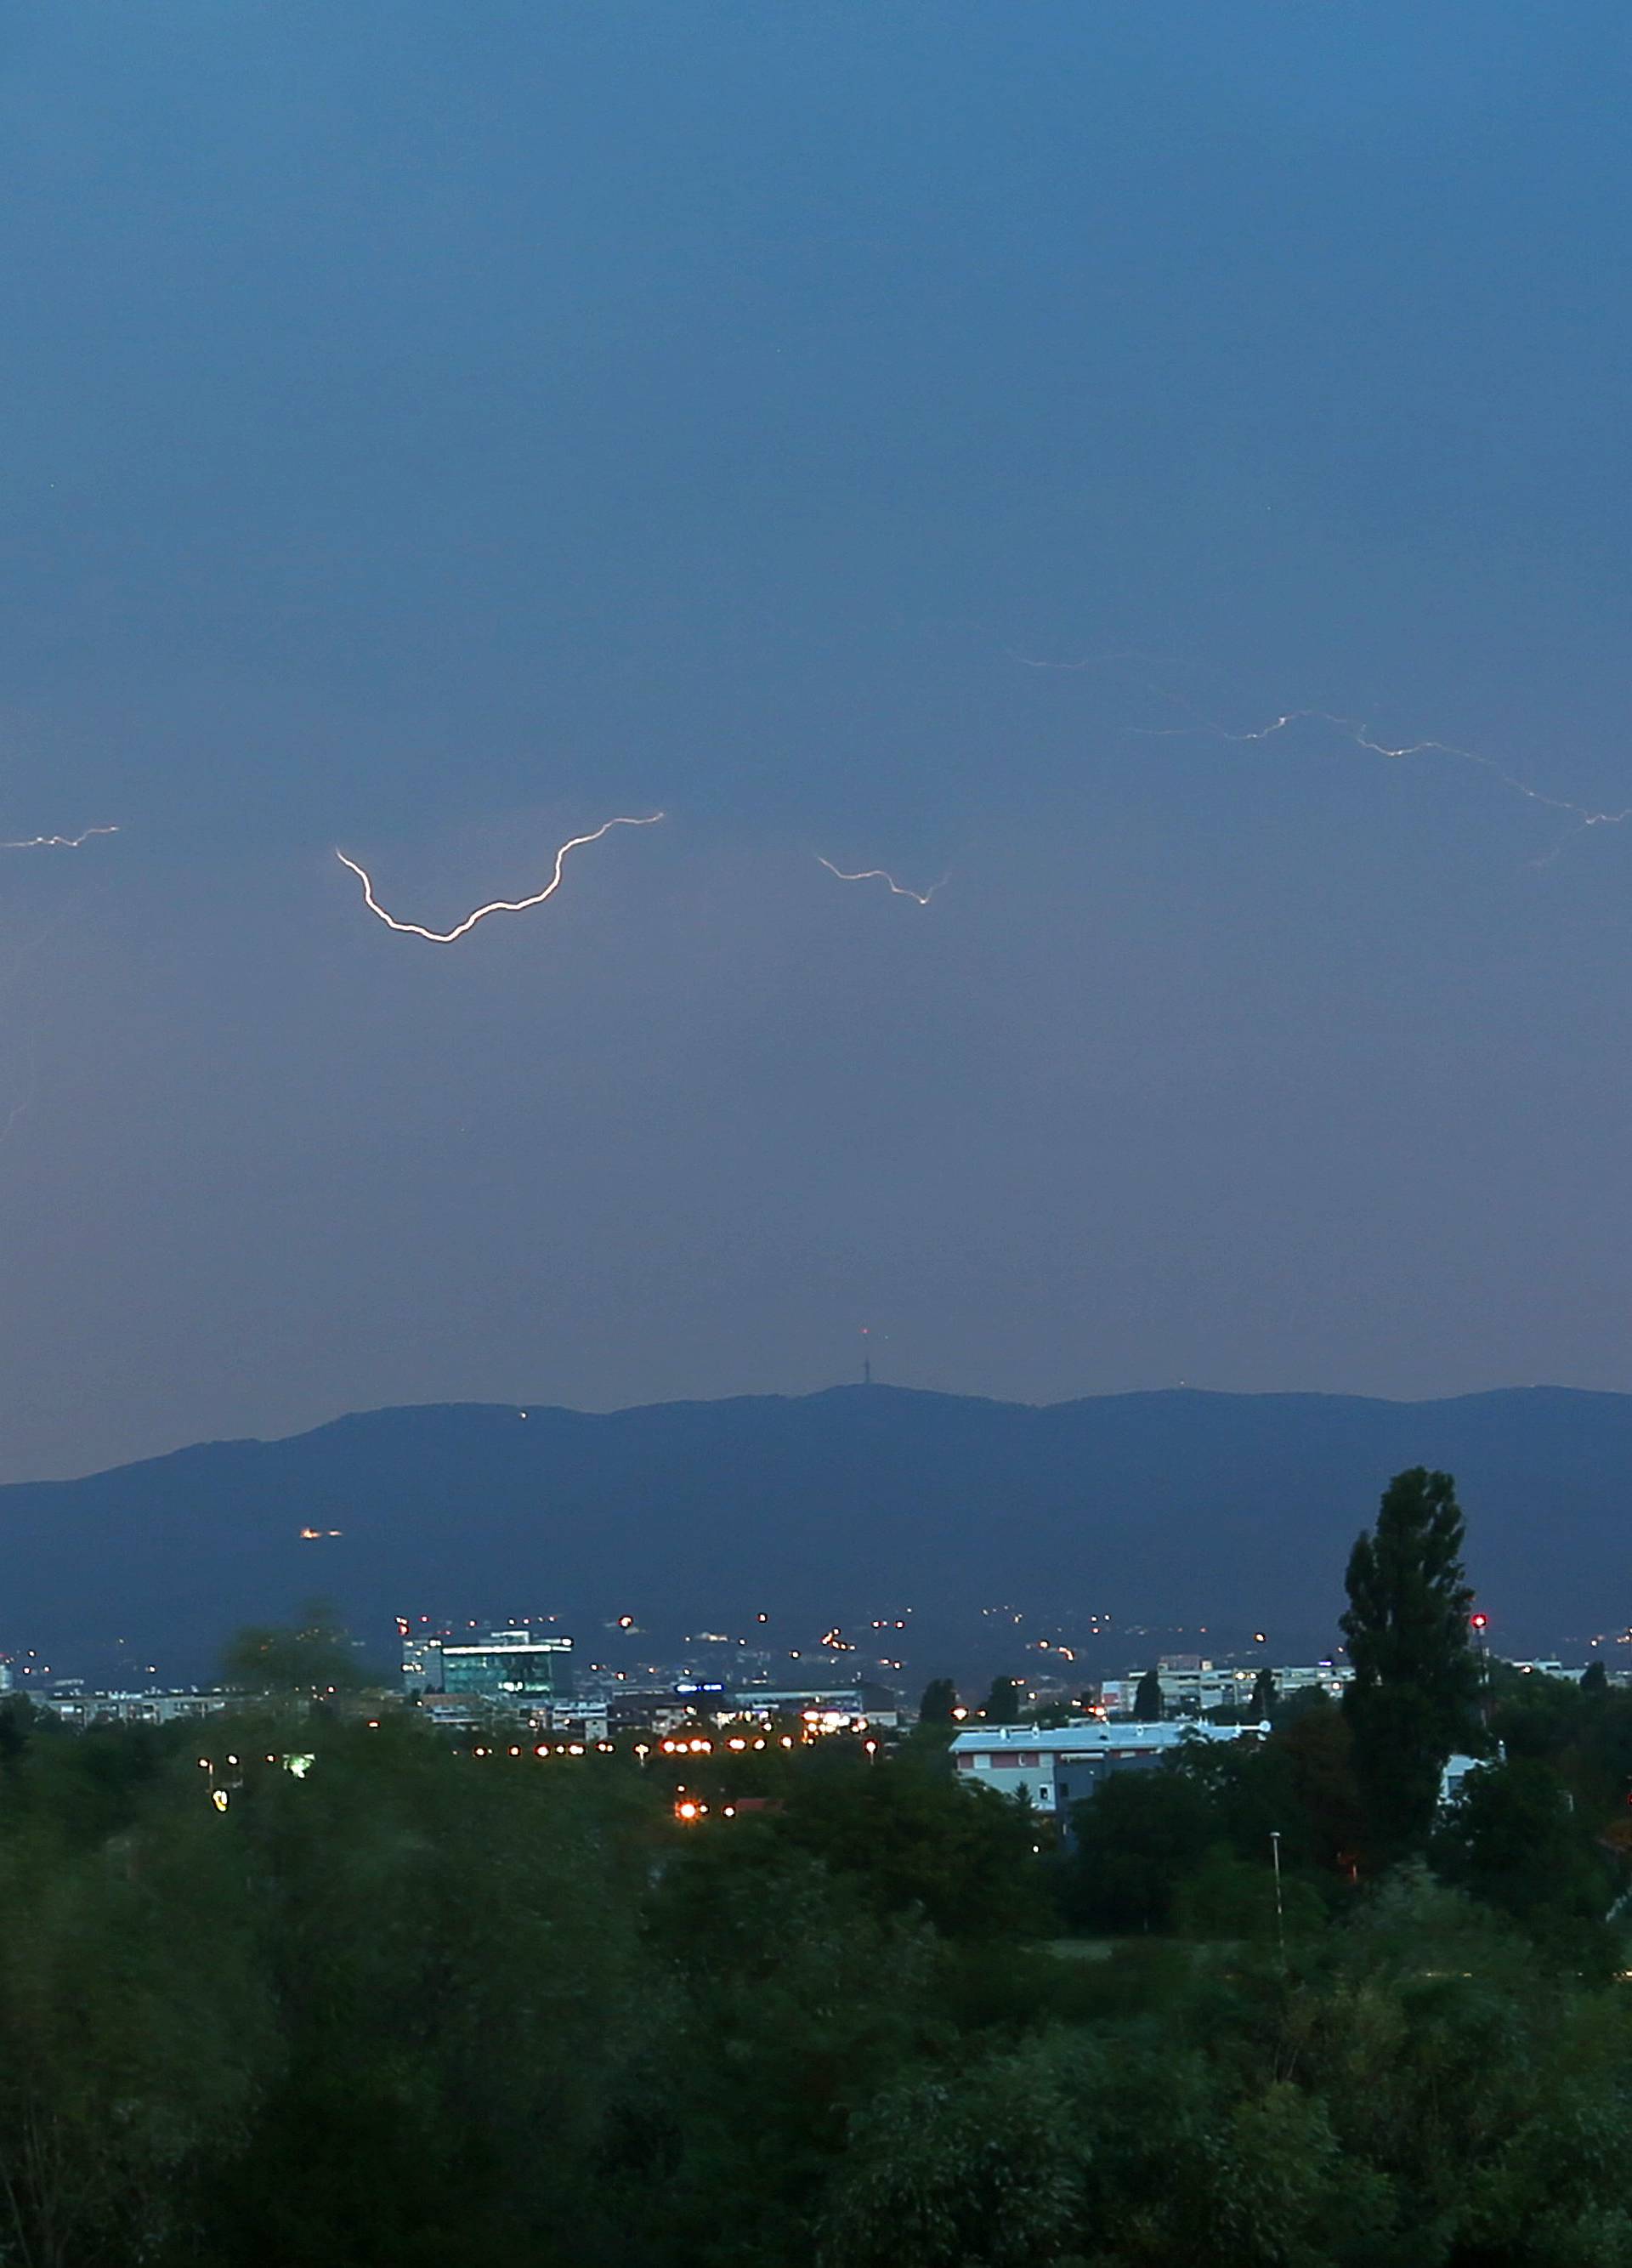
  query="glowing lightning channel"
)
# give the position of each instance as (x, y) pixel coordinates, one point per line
(498, 905)
(878, 874)
(57, 842)
(1360, 734)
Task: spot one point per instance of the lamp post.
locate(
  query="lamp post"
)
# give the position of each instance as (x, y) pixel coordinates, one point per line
(1280, 1909)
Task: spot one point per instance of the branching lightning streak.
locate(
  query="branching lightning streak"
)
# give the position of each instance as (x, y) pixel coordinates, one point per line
(1353, 728)
(1361, 735)
(878, 874)
(498, 905)
(57, 842)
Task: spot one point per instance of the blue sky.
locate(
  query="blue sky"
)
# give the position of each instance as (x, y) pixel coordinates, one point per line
(431, 429)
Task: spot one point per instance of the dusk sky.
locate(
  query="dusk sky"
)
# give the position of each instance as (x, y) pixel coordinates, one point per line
(431, 430)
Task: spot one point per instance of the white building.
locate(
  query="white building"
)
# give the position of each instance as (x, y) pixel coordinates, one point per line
(838, 1708)
(1193, 1689)
(79, 1709)
(1453, 1778)
(1060, 1765)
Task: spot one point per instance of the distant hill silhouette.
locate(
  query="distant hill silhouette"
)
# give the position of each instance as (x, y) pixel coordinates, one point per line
(1180, 1508)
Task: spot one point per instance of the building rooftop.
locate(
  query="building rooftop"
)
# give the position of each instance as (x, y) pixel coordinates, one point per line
(1090, 1733)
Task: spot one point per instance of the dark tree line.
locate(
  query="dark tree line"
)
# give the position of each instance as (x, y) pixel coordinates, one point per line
(406, 2005)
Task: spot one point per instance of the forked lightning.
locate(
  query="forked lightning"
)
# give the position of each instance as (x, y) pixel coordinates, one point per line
(497, 905)
(57, 842)
(1361, 737)
(878, 874)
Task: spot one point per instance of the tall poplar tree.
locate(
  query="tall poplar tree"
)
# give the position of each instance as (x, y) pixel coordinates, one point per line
(1413, 1699)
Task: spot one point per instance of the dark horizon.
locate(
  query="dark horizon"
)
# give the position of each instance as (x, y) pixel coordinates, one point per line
(1219, 1512)
(874, 1386)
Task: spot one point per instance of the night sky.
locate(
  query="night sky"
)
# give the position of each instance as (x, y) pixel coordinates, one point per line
(431, 430)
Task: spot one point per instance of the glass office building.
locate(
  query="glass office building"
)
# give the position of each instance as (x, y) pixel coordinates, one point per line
(509, 1666)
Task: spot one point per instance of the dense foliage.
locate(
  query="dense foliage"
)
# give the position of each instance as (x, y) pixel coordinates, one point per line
(417, 2003)
(306, 1989)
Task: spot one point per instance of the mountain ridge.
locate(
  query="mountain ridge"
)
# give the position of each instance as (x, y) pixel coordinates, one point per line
(1202, 1512)
(1141, 1393)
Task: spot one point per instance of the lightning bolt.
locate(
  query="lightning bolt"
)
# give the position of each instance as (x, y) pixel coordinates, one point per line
(1361, 735)
(57, 842)
(498, 905)
(1354, 729)
(878, 874)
